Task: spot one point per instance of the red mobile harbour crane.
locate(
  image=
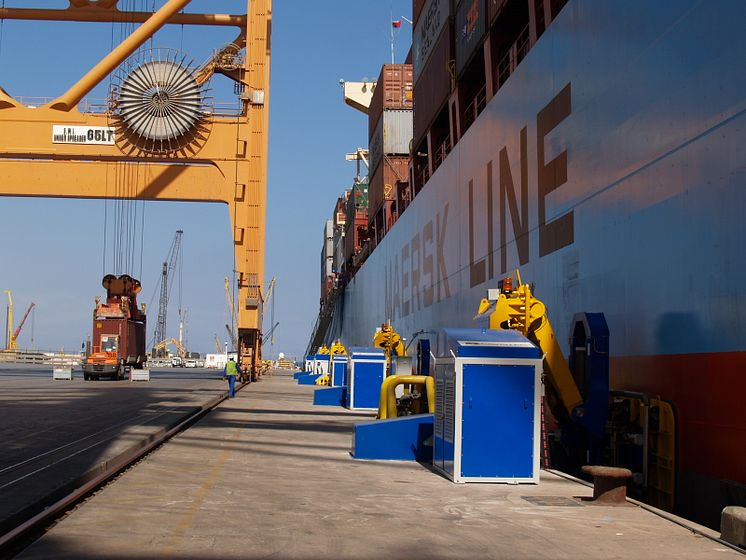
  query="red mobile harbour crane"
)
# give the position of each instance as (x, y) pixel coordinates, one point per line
(118, 330)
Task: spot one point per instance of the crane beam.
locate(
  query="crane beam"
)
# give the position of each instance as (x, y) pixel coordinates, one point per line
(97, 15)
(108, 64)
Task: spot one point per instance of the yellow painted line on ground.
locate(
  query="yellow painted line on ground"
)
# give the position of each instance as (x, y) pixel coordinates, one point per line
(187, 519)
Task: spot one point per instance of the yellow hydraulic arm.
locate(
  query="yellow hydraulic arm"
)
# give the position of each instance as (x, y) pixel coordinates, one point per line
(390, 341)
(337, 349)
(519, 310)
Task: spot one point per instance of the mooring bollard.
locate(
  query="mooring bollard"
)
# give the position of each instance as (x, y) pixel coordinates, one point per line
(733, 525)
(609, 483)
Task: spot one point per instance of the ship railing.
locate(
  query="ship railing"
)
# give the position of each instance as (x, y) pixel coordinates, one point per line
(514, 55)
(522, 45)
(442, 152)
(474, 108)
(423, 176)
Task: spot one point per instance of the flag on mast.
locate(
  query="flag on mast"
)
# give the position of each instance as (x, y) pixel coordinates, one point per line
(396, 23)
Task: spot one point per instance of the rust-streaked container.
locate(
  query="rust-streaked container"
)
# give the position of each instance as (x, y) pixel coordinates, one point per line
(417, 6)
(356, 225)
(435, 16)
(403, 197)
(383, 182)
(394, 90)
(355, 235)
(357, 202)
(340, 211)
(471, 27)
(434, 86)
(391, 136)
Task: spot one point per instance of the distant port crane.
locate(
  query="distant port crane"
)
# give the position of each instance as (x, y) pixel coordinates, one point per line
(169, 266)
(11, 336)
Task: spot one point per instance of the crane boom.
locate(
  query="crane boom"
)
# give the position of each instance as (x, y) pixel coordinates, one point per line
(269, 334)
(179, 347)
(167, 278)
(20, 326)
(232, 328)
(270, 288)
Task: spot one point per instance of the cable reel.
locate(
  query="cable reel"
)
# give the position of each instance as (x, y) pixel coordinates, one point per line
(158, 106)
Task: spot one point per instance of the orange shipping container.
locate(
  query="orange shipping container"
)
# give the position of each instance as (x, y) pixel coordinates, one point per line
(394, 90)
(383, 182)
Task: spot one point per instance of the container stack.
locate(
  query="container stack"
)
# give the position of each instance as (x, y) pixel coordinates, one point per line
(340, 221)
(390, 132)
(433, 51)
(327, 260)
(356, 226)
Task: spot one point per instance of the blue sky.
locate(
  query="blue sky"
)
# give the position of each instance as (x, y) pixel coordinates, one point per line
(52, 250)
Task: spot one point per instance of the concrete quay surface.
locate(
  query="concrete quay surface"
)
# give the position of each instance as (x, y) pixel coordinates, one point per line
(268, 475)
(56, 434)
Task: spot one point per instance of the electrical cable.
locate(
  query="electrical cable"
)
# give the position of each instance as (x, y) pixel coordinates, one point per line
(2, 25)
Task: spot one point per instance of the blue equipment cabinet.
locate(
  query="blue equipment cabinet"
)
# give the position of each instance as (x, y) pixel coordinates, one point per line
(307, 367)
(487, 407)
(321, 364)
(338, 376)
(365, 371)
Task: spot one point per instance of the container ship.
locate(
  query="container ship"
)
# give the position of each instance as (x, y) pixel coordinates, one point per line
(596, 147)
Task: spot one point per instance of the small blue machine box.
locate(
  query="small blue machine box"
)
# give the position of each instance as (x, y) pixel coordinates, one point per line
(365, 372)
(487, 407)
(338, 376)
(321, 364)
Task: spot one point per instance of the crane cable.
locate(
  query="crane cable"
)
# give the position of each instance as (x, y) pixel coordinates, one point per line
(2, 25)
(126, 180)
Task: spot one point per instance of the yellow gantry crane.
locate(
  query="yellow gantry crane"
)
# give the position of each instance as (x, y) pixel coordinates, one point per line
(171, 147)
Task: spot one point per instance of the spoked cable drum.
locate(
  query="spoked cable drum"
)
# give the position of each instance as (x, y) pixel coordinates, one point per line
(157, 104)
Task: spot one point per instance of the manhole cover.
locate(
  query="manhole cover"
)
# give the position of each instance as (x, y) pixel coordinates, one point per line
(552, 501)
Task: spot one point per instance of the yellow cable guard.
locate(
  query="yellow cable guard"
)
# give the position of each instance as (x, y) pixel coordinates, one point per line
(387, 401)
